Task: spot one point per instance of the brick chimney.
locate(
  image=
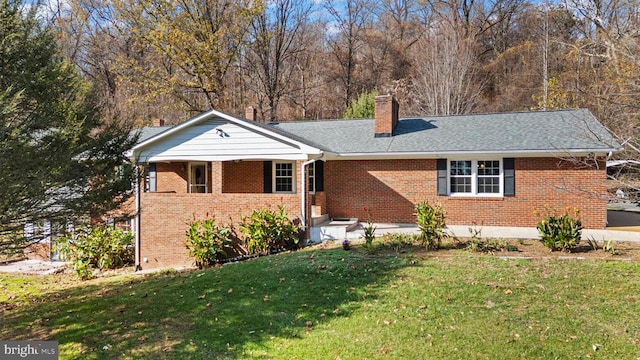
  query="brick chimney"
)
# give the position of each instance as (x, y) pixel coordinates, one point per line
(386, 115)
(157, 122)
(251, 113)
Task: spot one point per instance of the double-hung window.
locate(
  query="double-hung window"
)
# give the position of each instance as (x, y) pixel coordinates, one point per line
(312, 177)
(475, 177)
(489, 178)
(150, 177)
(461, 176)
(284, 177)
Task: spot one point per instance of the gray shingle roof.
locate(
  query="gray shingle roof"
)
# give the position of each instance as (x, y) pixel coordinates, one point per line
(564, 130)
(150, 131)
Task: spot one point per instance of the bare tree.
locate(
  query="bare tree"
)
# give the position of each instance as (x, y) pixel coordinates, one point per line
(345, 38)
(444, 82)
(277, 43)
(308, 84)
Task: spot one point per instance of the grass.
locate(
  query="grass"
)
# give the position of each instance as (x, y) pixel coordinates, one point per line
(330, 304)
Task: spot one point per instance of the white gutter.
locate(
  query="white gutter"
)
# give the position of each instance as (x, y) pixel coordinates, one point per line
(303, 193)
(447, 154)
(137, 224)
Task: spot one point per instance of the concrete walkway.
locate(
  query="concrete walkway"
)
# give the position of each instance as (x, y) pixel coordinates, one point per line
(462, 231)
(624, 226)
(39, 267)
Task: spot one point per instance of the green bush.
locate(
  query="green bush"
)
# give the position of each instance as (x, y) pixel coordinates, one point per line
(489, 245)
(99, 248)
(560, 231)
(266, 230)
(369, 229)
(399, 241)
(430, 220)
(207, 242)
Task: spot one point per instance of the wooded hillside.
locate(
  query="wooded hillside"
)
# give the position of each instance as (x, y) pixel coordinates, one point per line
(305, 59)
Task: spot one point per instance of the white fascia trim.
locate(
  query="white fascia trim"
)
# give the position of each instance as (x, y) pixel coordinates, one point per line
(304, 148)
(460, 154)
(287, 157)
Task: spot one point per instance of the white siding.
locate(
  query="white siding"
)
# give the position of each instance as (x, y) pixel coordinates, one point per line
(219, 140)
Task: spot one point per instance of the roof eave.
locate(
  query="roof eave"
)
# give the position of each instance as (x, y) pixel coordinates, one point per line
(468, 153)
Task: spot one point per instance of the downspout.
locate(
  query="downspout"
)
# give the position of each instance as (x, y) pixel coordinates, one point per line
(303, 192)
(137, 224)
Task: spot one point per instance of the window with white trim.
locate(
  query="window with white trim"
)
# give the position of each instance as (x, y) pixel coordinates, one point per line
(150, 177)
(311, 170)
(460, 176)
(475, 177)
(284, 177)
(488, 177)
(197, 177)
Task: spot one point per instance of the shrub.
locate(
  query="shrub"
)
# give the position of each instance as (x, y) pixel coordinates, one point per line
(399, 241)
(478, 244)
(430, 220)
(560, 231)
(610, 248)
(369, 229)
(207, 241)
(267, 230)
(99, 248)
(490, 245)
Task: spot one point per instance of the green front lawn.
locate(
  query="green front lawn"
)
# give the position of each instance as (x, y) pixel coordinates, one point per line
(330, 304)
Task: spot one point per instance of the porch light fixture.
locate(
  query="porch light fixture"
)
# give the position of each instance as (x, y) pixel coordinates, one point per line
(221, 132)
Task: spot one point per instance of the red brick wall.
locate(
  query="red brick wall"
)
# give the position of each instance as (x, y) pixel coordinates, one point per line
(320, 199)
(172, 177)
(387, 188)
(390, 188)
(242, 177)
(164, 216)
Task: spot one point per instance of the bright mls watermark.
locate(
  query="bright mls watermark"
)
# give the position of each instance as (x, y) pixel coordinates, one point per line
(32, 350)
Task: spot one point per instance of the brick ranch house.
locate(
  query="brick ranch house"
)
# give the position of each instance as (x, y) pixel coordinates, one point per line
(491, 169)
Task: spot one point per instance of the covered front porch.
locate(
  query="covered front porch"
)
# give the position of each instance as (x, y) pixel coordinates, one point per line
(214, 165)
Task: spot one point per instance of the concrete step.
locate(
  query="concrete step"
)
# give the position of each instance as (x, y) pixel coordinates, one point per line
(333, 229)
(319, 219)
